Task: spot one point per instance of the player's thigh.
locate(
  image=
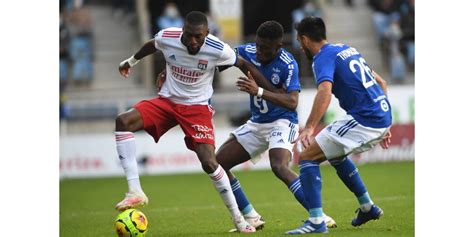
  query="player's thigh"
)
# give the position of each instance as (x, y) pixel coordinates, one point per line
(282, 133)
(157, 116)
(253, 139)
(313, 152)
(231, 153)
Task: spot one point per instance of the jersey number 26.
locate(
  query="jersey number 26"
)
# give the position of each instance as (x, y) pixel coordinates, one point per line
(364, 70)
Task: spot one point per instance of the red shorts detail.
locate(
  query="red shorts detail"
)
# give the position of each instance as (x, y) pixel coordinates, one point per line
(160, 115)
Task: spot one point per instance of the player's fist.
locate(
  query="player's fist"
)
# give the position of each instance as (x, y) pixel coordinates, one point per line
(304, 139)
(385, 143)
(247, 84)
(124, 68)
(160, 80)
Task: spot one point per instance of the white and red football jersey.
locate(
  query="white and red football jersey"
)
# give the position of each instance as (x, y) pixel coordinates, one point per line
(189, 77)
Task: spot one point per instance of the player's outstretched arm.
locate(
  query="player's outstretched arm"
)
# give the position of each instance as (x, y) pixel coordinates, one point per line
(320, 106)
(245, 66)
(147, 49)
(288, 101)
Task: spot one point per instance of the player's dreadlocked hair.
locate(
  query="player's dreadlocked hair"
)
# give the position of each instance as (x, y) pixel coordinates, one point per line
(196, 18)
(312, 27)
(270, 30)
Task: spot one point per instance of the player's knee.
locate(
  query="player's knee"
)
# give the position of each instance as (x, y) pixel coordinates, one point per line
(278, 168)
(306, 156)
(209, 165)
(123, 122)
(337, 161)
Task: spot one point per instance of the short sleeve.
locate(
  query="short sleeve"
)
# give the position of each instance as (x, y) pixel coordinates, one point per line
(292, 82)
(228, 56)
(157, 38)
(324, 67)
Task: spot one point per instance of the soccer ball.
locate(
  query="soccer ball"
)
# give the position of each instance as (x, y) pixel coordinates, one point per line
(131, 223)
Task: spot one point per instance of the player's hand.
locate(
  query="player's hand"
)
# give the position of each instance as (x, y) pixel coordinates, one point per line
(385, 143)
(160, 80)
(304, 139)
(124, 68)
(247, 84)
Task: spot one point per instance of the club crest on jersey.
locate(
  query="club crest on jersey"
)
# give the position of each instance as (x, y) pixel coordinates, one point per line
(202, 64)
(275, 78)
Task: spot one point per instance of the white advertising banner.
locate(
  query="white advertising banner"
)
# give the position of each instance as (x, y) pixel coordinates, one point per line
(93, 155)
(401, 97)
(96, 155)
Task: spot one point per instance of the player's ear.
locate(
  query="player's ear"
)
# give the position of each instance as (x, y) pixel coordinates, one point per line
(304, 40)
(280, 44)
(207, 31)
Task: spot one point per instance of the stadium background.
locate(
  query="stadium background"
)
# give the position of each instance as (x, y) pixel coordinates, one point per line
(96, 35)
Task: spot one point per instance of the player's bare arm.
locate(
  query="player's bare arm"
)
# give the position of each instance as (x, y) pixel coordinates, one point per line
(320, 106)
(147, 49)
(160, 79)
(286, 100)
(381, 82)
(246, 67)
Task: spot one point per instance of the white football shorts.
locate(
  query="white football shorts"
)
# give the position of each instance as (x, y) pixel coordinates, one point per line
(256, 138)
(346, 136)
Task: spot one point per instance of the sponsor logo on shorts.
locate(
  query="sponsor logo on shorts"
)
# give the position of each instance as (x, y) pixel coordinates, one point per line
(275, 134)
(203, 132)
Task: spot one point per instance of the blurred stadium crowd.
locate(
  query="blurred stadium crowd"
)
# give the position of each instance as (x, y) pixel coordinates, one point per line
(95, 35)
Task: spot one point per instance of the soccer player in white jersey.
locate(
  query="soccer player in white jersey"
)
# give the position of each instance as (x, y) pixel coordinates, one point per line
(274, 121)
(192, 55)
(340, 70)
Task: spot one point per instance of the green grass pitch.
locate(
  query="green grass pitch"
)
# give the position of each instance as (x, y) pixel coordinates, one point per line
(188, 205)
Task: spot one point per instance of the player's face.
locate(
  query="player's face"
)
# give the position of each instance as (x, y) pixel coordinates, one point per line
(267, 49)
(304, 46)
(193, 37)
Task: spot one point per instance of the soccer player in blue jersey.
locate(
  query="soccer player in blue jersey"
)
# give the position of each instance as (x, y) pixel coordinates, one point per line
(274, 122)
(341, 70)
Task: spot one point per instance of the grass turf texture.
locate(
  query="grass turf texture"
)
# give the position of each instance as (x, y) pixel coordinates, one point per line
(188, 205)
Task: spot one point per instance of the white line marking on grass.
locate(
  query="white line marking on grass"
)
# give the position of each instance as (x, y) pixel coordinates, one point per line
(210, 207)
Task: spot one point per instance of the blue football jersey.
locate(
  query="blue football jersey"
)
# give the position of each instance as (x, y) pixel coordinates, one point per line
(353, 84)
(282, 72)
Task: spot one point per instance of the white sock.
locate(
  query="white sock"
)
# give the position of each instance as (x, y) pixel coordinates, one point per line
(366, 207)
(126, 150)
(252, 213)
(316, 220)
(222, 184)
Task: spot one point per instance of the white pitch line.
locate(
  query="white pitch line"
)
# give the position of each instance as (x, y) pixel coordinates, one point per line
(268, 204)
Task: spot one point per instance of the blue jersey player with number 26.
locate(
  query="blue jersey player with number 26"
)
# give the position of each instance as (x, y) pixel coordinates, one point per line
(340, 70)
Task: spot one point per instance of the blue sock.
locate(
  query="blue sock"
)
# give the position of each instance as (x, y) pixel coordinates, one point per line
(310, 178)
(295, 188)
(244, 205)
(349, 174)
